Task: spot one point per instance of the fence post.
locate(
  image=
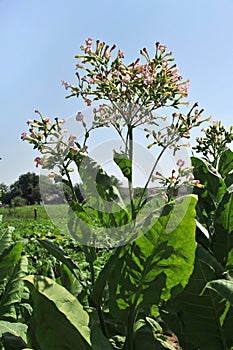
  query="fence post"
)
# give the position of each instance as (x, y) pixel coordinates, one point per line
(35, 213)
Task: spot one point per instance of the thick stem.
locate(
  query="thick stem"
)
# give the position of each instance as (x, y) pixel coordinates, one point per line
(130, 181)
(129, 342)
(150, 176)
(102, 323)
(71, 184)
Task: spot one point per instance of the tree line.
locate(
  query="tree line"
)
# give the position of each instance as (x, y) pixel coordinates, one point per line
(31, 188)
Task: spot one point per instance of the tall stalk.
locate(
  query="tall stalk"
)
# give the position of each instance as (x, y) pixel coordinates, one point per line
(130, 181)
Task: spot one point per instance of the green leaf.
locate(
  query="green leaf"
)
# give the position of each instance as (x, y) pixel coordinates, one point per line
(159, 263)
(223, 287)
(5, 239)
(200, 318)
(12, 268)
(124, 164)
(225, 164)
(98, 185)
(60, 255)
(100, 282)
(13, 291)
(17, 330)
(214, 189)
(8, 261)
(229, 180)
(12, 342)
(145, 339)
(223, 229)
(59, 320)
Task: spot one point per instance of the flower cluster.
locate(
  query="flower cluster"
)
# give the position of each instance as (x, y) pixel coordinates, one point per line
(180, 181)
(179, 128)
(214, 142)
(154, 83)
(51, 140)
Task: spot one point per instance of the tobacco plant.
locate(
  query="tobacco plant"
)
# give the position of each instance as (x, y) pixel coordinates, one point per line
(149, 241)
(201, 315)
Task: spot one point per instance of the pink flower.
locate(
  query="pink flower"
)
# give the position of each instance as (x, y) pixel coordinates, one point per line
(88, 49)
(180, 162)
(120, 54)
(72, 138)
(91, 81)
(126, 78)
(89, 41)
(162, 47)
(79, 117)
(176, 75)
(46, 120)
(66, 84)
(190, 177)
(147, 75)
(38, 161)
(137, 65)
(88, 102)
(23, 135)
(78, 65)
(148, 79)
(198, 184)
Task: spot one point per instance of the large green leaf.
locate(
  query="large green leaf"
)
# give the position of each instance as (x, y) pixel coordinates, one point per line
(14, 291)
(200, 317)
(147, 335)
(59, 320)
(124, 164)
(5, 238)
(214, 189)
(13, 334)
(223, 229)
(59, 254)
(12, 268)
(103, 207)
(8, 261)
(159, 263)
(97, 292)
(225, 164)
(98, 185)
(223, 287)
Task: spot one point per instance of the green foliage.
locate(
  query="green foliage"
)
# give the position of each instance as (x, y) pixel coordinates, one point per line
(214, 143)
(13, 335)
(66, 325)
(27, 187)
(124, 163)
(102, 298)
(156, 265)
(12, 268)
(18, 201)
(202, 314)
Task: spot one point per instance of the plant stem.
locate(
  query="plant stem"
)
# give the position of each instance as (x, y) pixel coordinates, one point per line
(101, 319)
(71, 184)
(130, 181)
(151, 173)
(129, 342)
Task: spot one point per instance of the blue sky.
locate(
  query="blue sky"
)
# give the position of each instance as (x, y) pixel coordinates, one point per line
(39, 40)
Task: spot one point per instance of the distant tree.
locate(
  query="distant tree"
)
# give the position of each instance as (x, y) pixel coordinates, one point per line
(51, 192)
(27, 187)
(18, 201)
(4, 193)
